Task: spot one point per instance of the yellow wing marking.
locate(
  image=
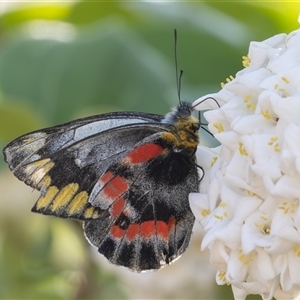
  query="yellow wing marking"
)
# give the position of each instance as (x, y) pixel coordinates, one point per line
(38, 169)
(41, 162)
(91, 213)
(45, 182)
(45, 200)
(47, 167)
(77, 204)
(64, 196)
(43, 165)
(66, 202)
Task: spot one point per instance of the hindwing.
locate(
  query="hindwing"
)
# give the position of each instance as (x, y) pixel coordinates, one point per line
(149, 221)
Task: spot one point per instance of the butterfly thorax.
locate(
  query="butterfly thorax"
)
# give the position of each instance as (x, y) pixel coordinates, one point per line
(183, 135)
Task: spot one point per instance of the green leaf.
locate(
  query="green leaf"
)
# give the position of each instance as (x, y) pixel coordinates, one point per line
(106, 67)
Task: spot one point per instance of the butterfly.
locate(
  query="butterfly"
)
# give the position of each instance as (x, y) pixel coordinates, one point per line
(126, 175)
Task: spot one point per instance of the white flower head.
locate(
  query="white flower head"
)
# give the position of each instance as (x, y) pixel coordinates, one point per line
(249, 202)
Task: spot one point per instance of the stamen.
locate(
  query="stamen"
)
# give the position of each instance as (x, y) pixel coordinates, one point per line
(251, 106)
(273, 143)
(285, 80)
(205, 212)
(246, 259)
(287, 207)
(242, 149)
(246, 61)
(219, 217)
(222, 276)
(296, 250)
(213, 160)
(266, 114)
(219, 127)
(247, 98)
(228, 79)
(263, 228)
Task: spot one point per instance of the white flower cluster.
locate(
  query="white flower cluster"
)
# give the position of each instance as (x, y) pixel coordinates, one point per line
(248, 203)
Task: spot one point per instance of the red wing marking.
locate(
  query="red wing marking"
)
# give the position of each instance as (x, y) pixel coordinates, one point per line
(117, 207)
(132, 231)
(171, 223)
(105, 178)
(150, 228)
(162, 229)
(115, 187)
(117, 232)
(143, 153)
(147, 229)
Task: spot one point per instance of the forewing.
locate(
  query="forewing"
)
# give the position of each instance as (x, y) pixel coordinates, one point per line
(65, 167)
(43, 143)
(148, 222)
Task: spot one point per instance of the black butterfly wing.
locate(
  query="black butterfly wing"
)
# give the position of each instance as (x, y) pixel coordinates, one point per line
(45, 142)
(149, 221)
(65, 161)
(123, 179)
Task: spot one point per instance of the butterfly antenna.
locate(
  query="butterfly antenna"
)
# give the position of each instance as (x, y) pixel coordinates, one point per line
(208, 98)
(202, 127)
(203, 124)
(178, 78)
(199, 115)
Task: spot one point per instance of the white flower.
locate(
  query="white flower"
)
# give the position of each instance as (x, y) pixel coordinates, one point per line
(248, 203)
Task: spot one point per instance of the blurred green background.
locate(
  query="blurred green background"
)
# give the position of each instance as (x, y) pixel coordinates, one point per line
(61, 61)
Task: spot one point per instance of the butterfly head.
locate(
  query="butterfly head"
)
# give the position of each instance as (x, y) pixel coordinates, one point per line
(181, 112)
